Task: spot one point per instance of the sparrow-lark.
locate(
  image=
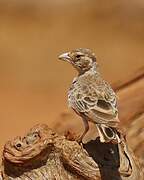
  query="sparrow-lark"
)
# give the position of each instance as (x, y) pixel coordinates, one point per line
(91, 97)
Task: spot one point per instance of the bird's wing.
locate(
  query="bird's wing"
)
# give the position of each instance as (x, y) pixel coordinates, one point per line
(98, 103)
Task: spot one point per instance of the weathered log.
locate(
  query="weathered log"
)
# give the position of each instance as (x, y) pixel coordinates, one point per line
(43, 154)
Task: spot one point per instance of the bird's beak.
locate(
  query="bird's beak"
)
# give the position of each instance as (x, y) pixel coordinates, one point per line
(65, 57)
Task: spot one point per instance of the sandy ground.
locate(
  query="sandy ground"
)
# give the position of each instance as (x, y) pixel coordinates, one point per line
(33, 83)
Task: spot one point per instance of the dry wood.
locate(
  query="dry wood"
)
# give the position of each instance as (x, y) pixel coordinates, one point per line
(42, 154)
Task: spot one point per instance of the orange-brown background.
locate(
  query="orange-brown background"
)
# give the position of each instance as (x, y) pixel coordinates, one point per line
(33, 83)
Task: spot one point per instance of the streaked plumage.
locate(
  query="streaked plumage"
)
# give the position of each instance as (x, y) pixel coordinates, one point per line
(91, 97)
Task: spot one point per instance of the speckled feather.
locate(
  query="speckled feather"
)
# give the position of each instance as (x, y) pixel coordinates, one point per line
(89, 89)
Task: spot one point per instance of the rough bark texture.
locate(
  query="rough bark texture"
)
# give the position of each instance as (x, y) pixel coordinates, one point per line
(43, 154)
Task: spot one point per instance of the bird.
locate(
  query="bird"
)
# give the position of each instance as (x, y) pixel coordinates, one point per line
(91, 97)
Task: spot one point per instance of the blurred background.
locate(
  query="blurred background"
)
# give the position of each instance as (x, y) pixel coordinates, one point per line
(33, 83)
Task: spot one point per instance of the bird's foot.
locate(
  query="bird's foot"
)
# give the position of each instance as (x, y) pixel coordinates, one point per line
(71, 136)
(79, 139)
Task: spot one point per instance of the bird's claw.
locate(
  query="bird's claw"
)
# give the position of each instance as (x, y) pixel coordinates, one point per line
(79, 139)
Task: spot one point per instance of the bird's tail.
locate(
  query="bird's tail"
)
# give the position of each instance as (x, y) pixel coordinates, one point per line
(108, 134)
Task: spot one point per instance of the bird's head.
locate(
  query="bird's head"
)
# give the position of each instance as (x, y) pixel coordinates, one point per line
(82, 59)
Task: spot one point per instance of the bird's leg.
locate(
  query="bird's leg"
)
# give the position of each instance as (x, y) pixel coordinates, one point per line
(86, 125)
